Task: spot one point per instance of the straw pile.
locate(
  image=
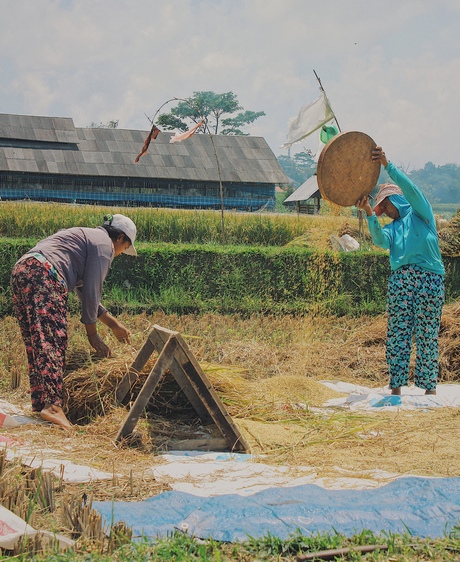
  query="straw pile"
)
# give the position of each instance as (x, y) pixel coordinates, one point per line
(90, 389)
(356, 355)
(449, 344)
(449, 237)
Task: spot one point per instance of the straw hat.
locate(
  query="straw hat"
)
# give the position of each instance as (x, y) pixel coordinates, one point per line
(386, 190)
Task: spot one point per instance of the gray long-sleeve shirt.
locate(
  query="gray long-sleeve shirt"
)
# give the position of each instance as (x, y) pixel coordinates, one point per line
(83, 257)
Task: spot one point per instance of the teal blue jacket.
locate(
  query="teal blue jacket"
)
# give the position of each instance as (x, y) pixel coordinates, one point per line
(412, 238)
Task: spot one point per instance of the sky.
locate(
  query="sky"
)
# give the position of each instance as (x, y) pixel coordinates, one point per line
(390, 69)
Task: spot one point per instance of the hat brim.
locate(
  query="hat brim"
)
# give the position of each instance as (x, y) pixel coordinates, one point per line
(130, 251)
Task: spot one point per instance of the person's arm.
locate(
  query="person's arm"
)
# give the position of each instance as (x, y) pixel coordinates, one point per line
(412, 193)
(119, 330)
(379, 236)
(416, 198)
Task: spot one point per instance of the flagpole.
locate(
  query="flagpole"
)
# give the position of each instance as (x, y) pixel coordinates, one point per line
(360, 211)
(206, 127)
(324, 92)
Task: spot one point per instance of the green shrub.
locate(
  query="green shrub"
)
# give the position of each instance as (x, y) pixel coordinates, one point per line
(185, 278)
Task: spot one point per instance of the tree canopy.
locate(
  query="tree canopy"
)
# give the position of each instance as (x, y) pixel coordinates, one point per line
(441, 184)
(221, 113)
(298, 167)
(110, 125)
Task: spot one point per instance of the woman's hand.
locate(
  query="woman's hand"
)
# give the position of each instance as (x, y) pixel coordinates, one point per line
(379, 156)
(121, 333)
(364, 204)
(119, 330)
(98, 344)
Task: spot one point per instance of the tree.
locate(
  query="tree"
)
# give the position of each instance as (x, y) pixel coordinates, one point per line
(441, 184)
(299, 168)
(211, 107)
(109, 125)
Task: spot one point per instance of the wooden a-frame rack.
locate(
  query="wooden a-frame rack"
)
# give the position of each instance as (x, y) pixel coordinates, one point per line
(175, 356)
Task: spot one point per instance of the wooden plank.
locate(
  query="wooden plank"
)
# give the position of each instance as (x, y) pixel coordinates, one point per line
(161, 335)
(204, 391)
(138, 364)
(148, 389)
(215, 407)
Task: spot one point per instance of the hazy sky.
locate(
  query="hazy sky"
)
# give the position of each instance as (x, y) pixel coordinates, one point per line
(391, 68)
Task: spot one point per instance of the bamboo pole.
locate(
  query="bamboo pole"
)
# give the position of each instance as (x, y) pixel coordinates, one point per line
(340, 552)
(324, 92)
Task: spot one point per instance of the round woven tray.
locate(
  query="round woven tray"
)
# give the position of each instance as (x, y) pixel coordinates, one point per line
(346, 171)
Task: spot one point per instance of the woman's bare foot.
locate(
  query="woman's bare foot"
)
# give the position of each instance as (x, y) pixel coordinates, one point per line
(433, 391)
(55, 414)
(396, 391)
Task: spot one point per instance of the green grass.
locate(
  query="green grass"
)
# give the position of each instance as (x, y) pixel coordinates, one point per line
(180, 547)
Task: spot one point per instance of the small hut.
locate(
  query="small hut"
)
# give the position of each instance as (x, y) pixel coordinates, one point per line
(307, 197)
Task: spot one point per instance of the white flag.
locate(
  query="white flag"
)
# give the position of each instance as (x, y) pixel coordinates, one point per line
(321, 145)
(310, 119)
(179, 137)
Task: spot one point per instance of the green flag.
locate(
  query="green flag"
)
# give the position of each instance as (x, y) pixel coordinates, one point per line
(327, 132)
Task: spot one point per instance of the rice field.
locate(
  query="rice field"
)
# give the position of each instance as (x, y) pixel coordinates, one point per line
(25, 219)
(265, 369)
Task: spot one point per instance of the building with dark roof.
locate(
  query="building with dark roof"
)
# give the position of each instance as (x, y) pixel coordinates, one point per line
(306, 198)
(49, 159)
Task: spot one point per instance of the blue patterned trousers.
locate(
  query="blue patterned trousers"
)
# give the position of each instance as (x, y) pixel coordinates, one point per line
(414, 303)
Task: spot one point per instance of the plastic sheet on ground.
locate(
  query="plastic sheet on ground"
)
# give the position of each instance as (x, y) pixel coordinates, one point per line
(11, 416)
(210, 474)
(228, 497)
(67, 470)
(13, 528)
(375, 399)
(424, 507)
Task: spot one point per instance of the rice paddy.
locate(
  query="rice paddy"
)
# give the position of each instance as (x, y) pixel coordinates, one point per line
(267, 371)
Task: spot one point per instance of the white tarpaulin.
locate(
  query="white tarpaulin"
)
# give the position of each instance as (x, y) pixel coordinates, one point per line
(215, 474)
(374, 399)
(310, 118)
(11, 416)
(219, 473)
(12, 528)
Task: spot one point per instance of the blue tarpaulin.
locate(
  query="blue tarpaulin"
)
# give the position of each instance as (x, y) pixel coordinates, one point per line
(424, 507)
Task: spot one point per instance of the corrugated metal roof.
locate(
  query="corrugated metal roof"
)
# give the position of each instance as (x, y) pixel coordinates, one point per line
(111, 152)
(305, 191)
(30, 127)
